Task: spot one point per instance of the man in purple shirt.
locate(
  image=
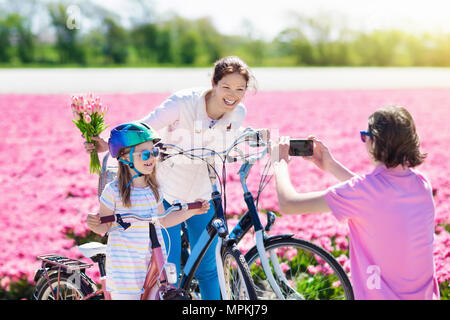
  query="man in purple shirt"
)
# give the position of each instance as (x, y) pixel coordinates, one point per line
(390, 211)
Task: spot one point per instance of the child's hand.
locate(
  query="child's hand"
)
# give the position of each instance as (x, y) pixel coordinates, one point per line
(322, 156)
(204, 209)
(93, 220)
(100, 145)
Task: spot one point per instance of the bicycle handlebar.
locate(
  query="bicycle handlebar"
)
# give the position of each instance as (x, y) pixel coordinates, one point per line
(250, 135)
(175, 207)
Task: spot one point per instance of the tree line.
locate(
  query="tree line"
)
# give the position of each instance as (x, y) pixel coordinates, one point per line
(177, 41)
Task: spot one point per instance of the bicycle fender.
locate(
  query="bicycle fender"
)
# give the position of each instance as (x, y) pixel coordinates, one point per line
(38, 275)
(251, 252)
(51, 271)
(279, 236)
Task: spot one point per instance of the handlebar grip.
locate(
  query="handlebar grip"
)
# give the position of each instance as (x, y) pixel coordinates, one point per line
(107, 219)
(194, 205)
(231, 159)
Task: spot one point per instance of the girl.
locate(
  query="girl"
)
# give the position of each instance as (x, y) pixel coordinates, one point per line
(211, 116)
(390, 211)
(135, 190)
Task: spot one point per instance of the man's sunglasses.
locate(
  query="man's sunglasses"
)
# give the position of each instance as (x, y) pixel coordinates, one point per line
(364, 135)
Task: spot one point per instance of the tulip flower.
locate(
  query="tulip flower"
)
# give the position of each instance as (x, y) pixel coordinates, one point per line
(89, 109)
(89, 118)
(76, 116)
(39, 215)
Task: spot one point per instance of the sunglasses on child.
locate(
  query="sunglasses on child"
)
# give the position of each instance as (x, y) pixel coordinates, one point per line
(147, 154)
(364, 135)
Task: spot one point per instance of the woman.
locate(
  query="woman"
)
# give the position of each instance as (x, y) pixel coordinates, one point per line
(208, 117)
(390, 211)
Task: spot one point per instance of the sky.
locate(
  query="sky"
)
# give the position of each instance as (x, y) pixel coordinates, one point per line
(268, 18)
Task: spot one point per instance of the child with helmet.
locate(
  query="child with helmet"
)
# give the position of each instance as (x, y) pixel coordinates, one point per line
(136, 191)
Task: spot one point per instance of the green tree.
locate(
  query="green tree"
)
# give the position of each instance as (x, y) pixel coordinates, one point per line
(292, 42)
(211, 41)
(5, 44)
(116, 41)
(25, 38)
(68, 40)
(145, 39)
(189, 42)
(164, 47)
(184, 40)
(16, 38)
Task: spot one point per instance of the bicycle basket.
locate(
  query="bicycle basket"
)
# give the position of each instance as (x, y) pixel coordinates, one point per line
(108, 174)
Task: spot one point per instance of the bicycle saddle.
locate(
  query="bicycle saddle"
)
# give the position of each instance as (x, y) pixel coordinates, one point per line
(92, 249)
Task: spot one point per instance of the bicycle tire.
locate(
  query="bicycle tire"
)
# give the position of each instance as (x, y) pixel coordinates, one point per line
(80, 286)
(246, 288)
(297, 288)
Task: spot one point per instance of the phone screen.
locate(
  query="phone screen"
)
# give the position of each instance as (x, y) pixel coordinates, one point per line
(301, 147)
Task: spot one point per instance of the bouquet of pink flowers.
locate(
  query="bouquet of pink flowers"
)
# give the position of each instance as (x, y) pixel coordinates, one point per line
(89, 118)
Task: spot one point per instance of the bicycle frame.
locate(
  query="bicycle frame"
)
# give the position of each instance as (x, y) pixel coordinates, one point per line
(251, 218)
(217, 225)
(156, 278)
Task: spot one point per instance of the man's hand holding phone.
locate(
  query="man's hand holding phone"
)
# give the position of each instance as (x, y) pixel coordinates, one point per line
(321, 156)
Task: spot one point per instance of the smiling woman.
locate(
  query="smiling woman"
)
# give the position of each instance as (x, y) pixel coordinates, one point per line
(230, 81)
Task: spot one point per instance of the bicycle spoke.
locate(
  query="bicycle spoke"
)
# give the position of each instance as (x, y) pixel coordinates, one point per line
(307, 273)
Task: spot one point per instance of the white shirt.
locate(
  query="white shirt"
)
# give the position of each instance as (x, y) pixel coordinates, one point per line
(182, 120)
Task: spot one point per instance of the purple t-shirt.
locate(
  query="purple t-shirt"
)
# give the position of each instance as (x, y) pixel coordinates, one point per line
(390, 215)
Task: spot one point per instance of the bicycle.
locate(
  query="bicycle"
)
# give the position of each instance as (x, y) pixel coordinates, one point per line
(62, 278)
(234, 276)
(310, 272)
(291, 268)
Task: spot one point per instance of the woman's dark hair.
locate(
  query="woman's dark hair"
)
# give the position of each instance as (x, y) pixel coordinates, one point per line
(232, 64)
(396, 139)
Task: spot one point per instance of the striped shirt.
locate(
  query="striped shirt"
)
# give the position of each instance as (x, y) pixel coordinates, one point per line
(129, 251)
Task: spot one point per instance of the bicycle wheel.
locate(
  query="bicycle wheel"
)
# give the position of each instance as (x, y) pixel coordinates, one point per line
(71, 287)
(238, 280)
(302, 270)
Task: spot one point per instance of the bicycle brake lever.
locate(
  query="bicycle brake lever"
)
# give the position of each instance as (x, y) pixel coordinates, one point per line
(161, 146)
(124, 225)
(270, 220)
(163, 156)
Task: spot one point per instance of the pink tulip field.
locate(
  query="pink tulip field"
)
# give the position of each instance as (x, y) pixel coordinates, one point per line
(46, 189)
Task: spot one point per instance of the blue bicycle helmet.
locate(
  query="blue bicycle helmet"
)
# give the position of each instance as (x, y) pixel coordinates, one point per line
(130, 135)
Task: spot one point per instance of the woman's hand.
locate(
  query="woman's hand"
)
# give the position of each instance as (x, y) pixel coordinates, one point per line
(322, 156)
(100, 145)
(279, 150)
(204, 209)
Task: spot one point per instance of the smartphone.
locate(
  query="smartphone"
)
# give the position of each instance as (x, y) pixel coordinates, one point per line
(301, 148)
